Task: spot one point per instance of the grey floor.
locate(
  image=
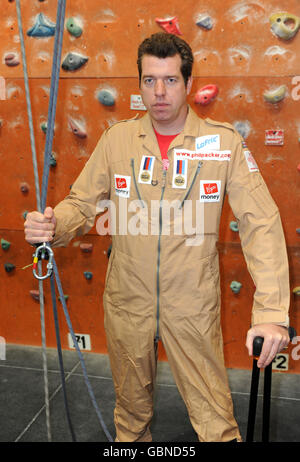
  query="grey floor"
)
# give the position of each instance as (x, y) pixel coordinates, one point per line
(22, 400)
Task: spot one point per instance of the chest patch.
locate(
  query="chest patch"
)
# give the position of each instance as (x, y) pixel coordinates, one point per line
(208, 142)
(146, 169)
(180, 173)
(203, 155)
(210, 190)
(122, 185)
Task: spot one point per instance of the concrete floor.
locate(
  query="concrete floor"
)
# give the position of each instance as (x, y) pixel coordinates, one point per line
(23, 411)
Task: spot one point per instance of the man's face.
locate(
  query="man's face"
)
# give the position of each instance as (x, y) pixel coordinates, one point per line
(163, 90)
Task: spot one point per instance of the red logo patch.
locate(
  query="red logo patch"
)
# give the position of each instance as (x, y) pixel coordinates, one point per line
(121, 183)
(210, 188)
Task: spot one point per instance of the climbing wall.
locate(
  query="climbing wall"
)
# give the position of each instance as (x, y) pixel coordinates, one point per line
(246, 72)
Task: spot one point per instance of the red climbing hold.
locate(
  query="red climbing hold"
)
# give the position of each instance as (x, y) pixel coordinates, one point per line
(206, 94)
(35, 294)
(77, 128)
(170, 25)
(86, 247)
(24, 187)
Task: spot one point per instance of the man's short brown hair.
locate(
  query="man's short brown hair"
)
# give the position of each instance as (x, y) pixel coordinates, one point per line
(164, 45)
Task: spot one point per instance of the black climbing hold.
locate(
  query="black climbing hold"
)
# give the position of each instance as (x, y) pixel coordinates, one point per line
(88, 275)
(9, 267)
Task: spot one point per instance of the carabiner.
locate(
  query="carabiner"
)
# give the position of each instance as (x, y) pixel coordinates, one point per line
(40, 249)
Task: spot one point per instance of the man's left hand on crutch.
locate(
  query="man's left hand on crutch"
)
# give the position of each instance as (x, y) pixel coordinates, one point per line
(276, 338)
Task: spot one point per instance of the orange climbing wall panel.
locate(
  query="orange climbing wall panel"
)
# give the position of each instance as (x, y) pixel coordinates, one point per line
(239, 54)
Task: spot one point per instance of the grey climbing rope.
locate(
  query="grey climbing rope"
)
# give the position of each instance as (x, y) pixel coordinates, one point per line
(38, 200)
(42, 202)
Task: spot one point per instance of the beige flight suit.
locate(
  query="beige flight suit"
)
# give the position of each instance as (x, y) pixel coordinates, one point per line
(165, 284)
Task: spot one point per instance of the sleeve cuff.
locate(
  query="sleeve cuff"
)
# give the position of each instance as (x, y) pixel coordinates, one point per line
(279, 318)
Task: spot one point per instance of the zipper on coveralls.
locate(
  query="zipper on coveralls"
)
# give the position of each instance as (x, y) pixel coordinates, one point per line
(158, 257)
(160, 231)
(135, 183)
(159, 241)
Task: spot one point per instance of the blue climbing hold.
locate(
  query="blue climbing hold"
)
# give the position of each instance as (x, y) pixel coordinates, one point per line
(73, 61)
(88, 275)
(43, 27)
(235, 286)
(52, 160)
(234, 226)
(205, 21)
(44, 126)
(5, 244)
(106, 97)
(73, 27)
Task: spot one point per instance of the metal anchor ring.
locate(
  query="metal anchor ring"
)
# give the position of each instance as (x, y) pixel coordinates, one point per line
(39, 249)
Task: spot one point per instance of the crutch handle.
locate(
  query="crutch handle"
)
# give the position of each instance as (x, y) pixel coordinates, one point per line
(258, 341)
(257, 345)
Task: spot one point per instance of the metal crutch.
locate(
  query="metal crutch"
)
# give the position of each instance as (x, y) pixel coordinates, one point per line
(257, 347)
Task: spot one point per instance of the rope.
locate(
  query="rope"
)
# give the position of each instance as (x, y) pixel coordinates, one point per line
(38, 200)
(42, 204)
(60, 357)
(90, 390)
(60, 18)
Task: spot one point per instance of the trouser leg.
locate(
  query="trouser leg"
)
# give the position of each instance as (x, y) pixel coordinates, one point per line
(197, 362)
(133, 364)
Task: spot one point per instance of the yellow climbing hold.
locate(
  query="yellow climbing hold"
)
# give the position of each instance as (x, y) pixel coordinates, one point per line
(274, 96)
(296, 290)
(284, 25)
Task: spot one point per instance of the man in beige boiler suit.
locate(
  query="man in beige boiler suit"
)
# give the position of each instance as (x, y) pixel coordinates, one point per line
(165, 286)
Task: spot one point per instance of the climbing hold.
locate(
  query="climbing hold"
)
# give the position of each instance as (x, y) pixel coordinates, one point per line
(43, 27)
(298, 230)
(77, 128)
(24, 188)
(11, 59)
(284, 25)
(296, 290)
(88, 275)
(52, 159)
(243, 127)
(274, 96)
(44, 126)
(35, 294)
(25, 214)
(235, 287)
(234, 226)
(206, 94)
(205, 21)
(65, 297)
(170, 25)
(5, 244)
(73, 27)
(106, 97)
(86, 247)
(73, 61)
(9, 267)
